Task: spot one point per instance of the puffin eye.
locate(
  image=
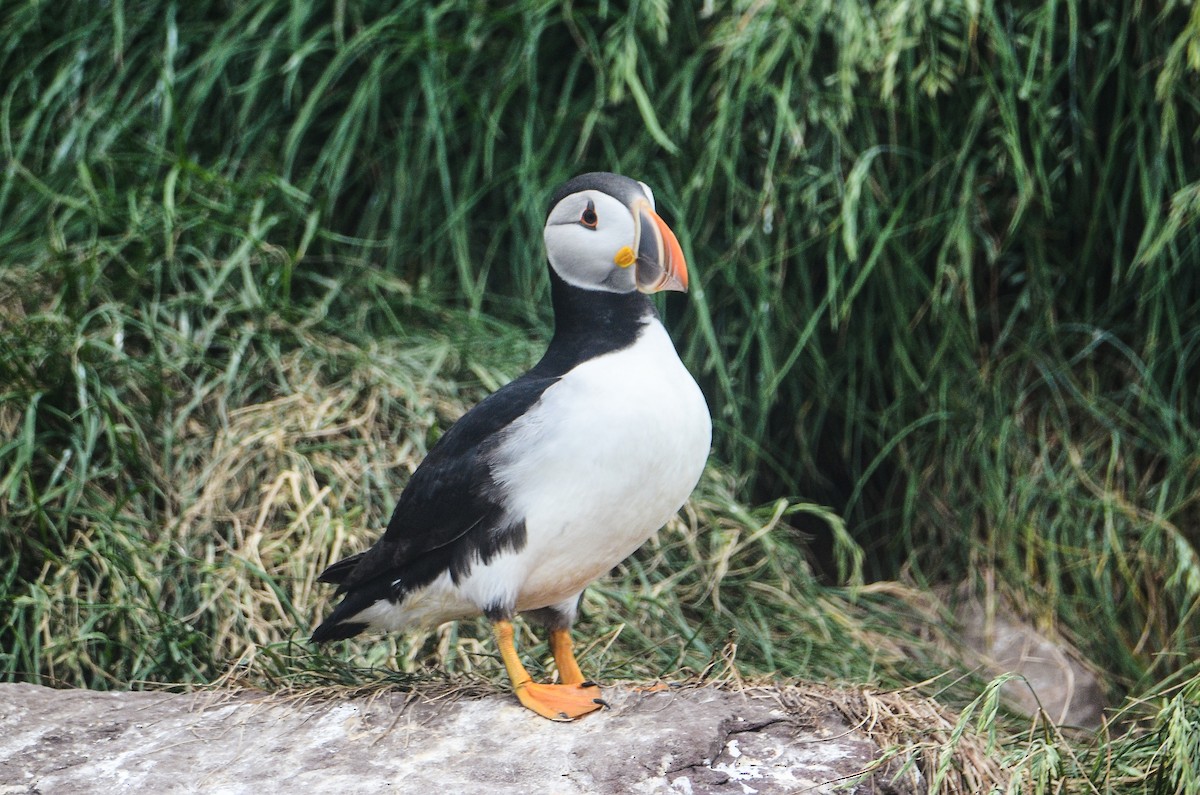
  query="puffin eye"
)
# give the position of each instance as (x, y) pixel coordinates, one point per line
(589, 217)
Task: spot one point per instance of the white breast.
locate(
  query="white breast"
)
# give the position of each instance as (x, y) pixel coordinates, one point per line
(602, 461)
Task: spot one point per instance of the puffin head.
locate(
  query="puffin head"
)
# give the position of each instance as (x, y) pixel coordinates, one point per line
(603, 234)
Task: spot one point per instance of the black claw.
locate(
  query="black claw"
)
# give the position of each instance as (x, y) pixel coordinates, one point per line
(588, 683)
(601, 702)
(563, 716)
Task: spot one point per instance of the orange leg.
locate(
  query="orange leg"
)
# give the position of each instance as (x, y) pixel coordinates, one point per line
(564, 657)
(556, 702)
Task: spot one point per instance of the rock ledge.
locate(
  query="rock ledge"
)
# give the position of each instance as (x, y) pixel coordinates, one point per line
(685, 740)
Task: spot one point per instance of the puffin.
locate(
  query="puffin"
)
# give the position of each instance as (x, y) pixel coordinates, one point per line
(558, 476)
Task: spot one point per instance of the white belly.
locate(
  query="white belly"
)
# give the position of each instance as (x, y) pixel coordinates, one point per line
(613, 451)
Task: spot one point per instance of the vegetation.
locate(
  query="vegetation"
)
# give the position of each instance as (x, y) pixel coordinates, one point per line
(255, 257)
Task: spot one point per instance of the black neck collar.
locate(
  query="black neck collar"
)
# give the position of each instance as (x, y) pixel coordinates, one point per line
(590, 323)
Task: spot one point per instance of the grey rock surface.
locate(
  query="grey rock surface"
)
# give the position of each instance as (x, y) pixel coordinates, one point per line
(686, 740)
(1055, 678)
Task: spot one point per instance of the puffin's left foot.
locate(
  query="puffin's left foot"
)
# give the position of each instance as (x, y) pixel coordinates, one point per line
(559, 702)
(566, 701)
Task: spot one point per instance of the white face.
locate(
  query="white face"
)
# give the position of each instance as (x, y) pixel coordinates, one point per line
(591, 241)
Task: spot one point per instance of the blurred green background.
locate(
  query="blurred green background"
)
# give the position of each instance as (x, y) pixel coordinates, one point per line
(945, 257)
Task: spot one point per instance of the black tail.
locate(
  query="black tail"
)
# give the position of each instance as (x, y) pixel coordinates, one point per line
(332, 631)
(338, 572)
(337, 627)
(340, 624)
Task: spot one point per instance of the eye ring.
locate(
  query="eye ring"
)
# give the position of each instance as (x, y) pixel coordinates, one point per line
(589, 218)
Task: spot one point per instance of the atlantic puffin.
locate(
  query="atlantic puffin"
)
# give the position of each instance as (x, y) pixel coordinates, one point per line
(555, 478)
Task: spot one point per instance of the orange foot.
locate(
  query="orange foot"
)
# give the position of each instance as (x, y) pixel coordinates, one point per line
(560, 702)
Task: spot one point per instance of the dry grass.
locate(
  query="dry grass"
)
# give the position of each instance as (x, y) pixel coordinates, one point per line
(953, 756)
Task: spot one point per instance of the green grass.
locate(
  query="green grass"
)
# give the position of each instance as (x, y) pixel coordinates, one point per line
(946, 281)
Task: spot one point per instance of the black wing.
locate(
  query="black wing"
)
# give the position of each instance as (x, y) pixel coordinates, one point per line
(450, 494)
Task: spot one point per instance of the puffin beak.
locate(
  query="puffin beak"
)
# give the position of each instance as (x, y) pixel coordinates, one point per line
(660, 264)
